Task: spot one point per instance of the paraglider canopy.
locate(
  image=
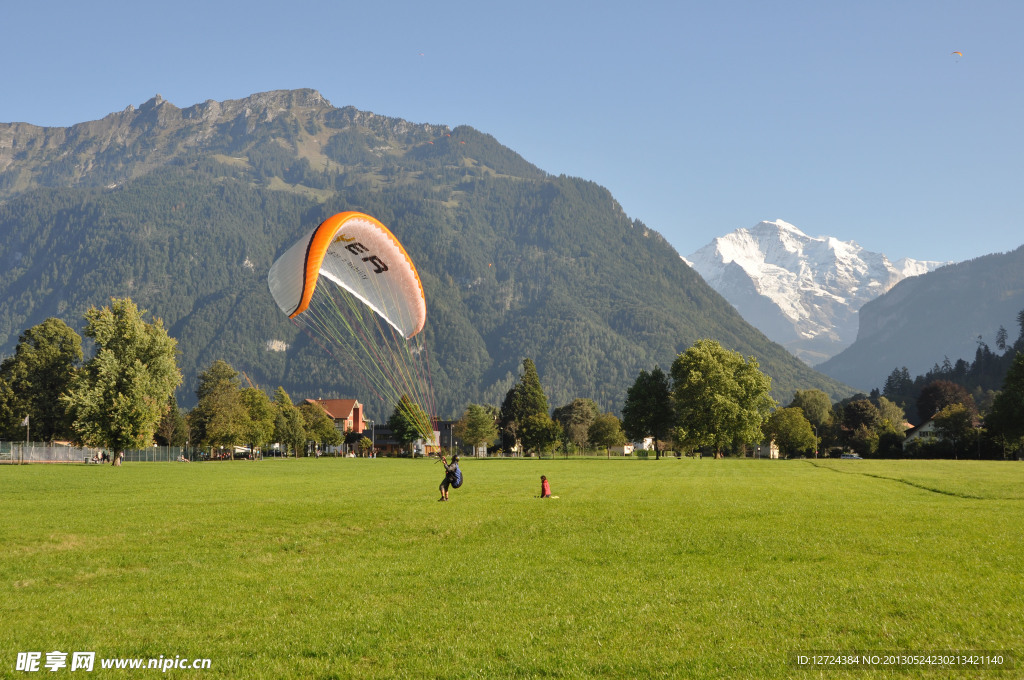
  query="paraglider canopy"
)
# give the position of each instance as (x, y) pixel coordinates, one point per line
(355, 251)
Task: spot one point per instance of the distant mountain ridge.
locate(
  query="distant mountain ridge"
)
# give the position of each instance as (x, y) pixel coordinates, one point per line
(130, 143)
(801, 291)
(184, 210)
(926, 319)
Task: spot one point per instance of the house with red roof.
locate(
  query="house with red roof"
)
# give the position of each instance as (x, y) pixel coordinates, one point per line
(347, 414)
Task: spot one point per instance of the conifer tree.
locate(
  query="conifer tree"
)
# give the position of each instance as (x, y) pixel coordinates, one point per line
(1007, 418)
(525, 399)
(647, 411)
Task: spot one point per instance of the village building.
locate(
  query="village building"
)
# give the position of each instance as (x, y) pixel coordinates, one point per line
(347, 414)
(768, 450)
(925, 433)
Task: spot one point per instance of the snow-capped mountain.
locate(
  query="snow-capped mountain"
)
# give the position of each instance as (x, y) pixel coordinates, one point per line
(801, 291)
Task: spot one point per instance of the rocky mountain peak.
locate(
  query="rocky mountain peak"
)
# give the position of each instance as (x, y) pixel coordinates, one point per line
(801, 291)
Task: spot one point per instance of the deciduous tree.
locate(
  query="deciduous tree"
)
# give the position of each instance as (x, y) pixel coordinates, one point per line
(406, 421)
(940, 394)
(791, 430)
(260, 425)
(891, 417)
(41, 370)
(118, 397)
(815, 405)
(720, 399)
(289, 430)
(172, 430)
(606, 432)
(477, 426)
(955, 424)
(220, 418)
(539, 432)
(575, 419)
(319, 427)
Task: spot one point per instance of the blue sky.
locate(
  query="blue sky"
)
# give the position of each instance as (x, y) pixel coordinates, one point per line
(847, 119)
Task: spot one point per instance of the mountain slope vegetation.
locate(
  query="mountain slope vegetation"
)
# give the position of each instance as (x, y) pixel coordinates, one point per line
(184, 210)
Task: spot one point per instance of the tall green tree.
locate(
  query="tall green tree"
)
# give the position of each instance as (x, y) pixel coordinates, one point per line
(815, 405)
(647, 411)
(606, 432)
(119, 395)
(172, 430)
(1001, 338)
(891, 417)
(1006, 421)
(320, 427)
(41, 370)
(259, 430)
(220, 419)
(477, 427)
(575, 419)
(790, 430)
(861, 412)
(524, 399)
(406, 421)
(898, 385)
(721, 400)
(539, 432)
(289, 429)
(955, 424)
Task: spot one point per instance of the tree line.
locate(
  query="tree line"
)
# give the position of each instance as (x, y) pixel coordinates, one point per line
(981, 378)
(712, 400)
(123, 396)
(716, 400)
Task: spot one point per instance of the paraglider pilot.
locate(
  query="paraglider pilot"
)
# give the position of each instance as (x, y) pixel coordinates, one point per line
(452, 476)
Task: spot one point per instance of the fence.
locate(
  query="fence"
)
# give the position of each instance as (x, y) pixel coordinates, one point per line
(15, 453)
(156, 454)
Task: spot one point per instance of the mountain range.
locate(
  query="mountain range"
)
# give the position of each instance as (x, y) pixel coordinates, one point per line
(801, 291)
(184, 210)
(924, 320)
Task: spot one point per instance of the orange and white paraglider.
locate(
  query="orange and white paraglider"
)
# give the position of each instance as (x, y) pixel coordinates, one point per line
(358, 253)
(351, 284)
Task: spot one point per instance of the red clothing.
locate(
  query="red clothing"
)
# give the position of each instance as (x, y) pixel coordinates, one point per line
(545, 489)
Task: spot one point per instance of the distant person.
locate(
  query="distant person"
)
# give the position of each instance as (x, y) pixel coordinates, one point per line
(545, 488)
(452, 476)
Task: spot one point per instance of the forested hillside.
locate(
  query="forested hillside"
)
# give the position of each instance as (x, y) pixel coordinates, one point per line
(924, 319)
(184, 210)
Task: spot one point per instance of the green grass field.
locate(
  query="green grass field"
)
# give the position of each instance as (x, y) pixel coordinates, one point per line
(641, 569)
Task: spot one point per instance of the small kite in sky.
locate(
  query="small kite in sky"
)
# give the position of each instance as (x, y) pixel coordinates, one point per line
(957, 53)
